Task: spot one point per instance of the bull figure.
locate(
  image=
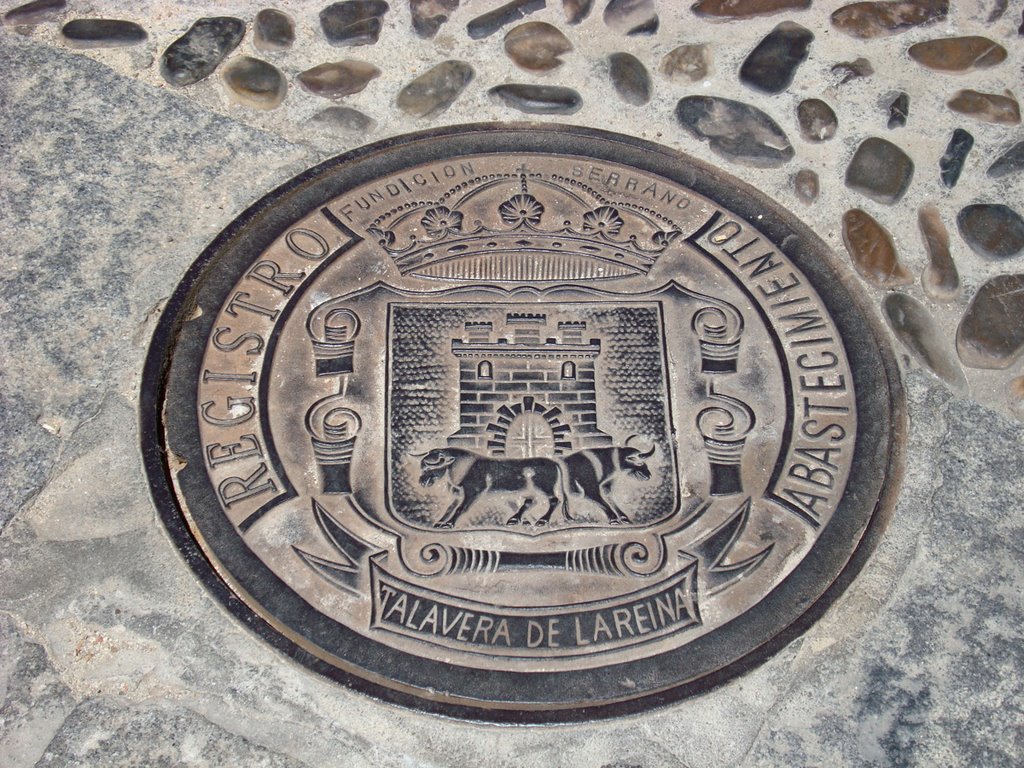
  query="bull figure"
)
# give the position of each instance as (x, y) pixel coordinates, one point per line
(592, 472)
(470, 475)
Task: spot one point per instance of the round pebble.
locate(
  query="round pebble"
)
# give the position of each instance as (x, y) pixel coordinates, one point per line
(273, 31)
(536, 46)
(816, 119)
(992, 230)
(630, 78)
(880, 170)
(255, 83)
(991, 333)
(688, 63)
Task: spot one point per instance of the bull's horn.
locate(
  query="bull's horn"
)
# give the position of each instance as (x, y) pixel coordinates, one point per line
(648, 453)
(631, 437)
(418, 455)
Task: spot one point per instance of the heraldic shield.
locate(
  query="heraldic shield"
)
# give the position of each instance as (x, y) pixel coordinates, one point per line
(523, 420)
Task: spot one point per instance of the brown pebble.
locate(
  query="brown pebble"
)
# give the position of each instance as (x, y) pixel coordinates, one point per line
(845, 71)
(991, 333)
(916, 330)
(436, 89)
(576, 10)
(536, 46)
(336, 79)
(429, 15)
(816, 119)
(958, 54)
(990, 107)
(940, 279)
(881, 19)
(688, 63)
(255, 83)
(273, 31)
(873, 251)
(746, 9)
(806, 186)
(629, 78)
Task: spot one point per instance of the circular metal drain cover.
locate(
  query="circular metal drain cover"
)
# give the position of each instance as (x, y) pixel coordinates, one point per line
(520, 423)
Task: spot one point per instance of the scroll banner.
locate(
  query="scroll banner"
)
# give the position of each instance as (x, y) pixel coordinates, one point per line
(637, 618)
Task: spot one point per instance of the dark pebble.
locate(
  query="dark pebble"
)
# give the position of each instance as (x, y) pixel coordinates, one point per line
(873, 251)
(576, 10)
(992, 230)
(336, 79)
(916, 330)
(255, 83)
(1011, 161)
(492, 21)
(958, 54)
(940, 279)
(429, 15)
(630, 78)
(991, 333)
(816, 119)
(102, 33)
(631, 17)
(998, 9)
(538, 99)
(273, 31)
(881, 19)
(436, 89)
(899, 111)
(746, 9)
(880, 170)
(35, 12)
(990, 107)
(952, 161)
(845, 71)
(735, 130)
(536, 46)
(806, 185)
(353, 22)
(344, 119)
(771, 66)
(195, 55)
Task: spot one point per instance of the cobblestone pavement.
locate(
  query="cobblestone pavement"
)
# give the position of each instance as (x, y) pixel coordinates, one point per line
(892, 129)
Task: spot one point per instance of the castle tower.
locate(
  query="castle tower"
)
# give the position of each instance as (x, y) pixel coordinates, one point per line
(524, 393)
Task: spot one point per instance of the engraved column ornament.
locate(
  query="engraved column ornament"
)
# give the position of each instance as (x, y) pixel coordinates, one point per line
(724, 425)
(333, 329)
(718, 330)
(333, 429)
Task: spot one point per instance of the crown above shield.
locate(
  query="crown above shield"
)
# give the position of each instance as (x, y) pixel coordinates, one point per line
(523, 228)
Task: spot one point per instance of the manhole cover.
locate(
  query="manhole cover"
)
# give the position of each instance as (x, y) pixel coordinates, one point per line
(521, 424)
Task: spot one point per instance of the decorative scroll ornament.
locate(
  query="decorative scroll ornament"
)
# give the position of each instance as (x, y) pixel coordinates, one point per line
(333, 329)
(718, 330)
(598, 238)
(333, 429)
(724, 427)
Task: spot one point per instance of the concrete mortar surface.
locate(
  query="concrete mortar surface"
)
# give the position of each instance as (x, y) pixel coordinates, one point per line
(111, 653)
